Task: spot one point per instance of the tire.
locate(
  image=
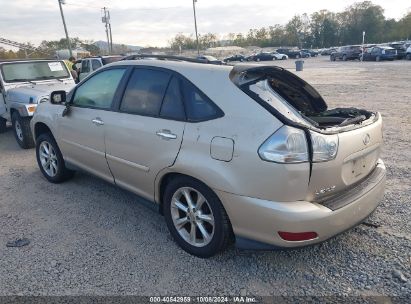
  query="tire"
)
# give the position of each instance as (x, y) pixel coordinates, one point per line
(3, 125)
(408, 57)
(378, 58)
(297, 56)
(344, 57)
(258, 59)
(220, 233)
(283, 58)
(22, 132)
(332, 58)
(58, 172)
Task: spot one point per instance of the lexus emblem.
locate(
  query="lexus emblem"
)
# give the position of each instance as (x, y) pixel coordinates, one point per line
(366, 140)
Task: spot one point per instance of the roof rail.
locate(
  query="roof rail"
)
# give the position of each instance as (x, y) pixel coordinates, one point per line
(163, 57)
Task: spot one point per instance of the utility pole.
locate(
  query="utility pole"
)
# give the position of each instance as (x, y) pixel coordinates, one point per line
(65, 27)
(111, 36)
(195, 25)
(106, 20)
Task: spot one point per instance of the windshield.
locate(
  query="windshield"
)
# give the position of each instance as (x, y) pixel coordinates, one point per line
(31, 71)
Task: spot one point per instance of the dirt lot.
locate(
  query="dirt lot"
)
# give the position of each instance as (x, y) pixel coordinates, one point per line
(88, 237)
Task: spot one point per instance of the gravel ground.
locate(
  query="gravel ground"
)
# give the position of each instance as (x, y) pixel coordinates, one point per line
(89, 238)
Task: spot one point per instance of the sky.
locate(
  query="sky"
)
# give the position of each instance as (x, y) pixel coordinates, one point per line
(154, 23)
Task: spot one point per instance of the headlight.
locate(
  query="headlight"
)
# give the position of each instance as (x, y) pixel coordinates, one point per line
(325, 147)
(286, 145)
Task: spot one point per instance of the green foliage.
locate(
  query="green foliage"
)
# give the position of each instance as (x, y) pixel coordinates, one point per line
(47, 49)
(320, 30)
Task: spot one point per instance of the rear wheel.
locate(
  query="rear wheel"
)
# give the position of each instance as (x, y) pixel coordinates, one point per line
(408, 57)
(3, 125)
(344, 57)
(50, 159)
(332, 58)
(22, 132)
(258, 59)
(195, 217)
(297, 56)
(378, 58)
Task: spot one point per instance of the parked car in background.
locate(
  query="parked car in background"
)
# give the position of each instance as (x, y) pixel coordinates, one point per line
(305, 54)
(210, 59)
(90, 64)
(408, 53)
(311, 52)
(349, 52)
(378, 53)
(237, 57)
(263, 56)
(291, 53)
(327, 52)
(279, 56)
(179, 134)
(23, 85)
(401, 49)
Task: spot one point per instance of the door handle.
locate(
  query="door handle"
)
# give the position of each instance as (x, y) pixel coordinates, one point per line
(97, 121)
(166, 134)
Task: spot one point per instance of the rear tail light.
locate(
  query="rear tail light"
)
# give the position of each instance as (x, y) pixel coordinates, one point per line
(286, 145)
(297, 236)
(325, 147)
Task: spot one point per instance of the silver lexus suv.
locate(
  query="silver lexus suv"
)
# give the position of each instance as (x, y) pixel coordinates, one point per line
(249, 153)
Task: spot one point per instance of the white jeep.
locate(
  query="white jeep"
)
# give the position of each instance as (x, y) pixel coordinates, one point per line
(23, 85)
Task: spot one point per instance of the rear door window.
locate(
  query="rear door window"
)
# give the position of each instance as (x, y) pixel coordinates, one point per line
(173, 107)
(145, 92)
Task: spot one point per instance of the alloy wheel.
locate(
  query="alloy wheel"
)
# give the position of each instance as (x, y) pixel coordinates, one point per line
(192, 217)
(48, 158)
(19, 131)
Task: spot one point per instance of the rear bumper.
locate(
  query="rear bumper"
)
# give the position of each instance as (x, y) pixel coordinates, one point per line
(257, 221)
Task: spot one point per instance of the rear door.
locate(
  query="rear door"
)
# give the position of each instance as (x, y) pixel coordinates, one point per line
(145, 135)
(81, 131)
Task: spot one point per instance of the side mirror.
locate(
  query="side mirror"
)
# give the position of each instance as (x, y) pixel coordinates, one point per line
(58, 97)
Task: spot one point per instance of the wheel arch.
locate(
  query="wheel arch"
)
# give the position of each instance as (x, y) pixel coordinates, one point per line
(41, 128)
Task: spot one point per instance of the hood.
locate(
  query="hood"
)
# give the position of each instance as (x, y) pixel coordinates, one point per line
(302, 96)
(31, 93)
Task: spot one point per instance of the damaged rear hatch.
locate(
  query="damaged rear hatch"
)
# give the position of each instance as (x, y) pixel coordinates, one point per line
(344, 143)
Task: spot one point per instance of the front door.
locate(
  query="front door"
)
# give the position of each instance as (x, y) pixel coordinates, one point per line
(145, 135)
(81, 131)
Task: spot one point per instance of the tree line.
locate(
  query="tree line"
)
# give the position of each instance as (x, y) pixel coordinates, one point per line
(321, 29)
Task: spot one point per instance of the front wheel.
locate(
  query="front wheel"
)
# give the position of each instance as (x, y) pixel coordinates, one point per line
(195, 217)
(284, 58)
(50, 160)
(22, 132)
(344, 57)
